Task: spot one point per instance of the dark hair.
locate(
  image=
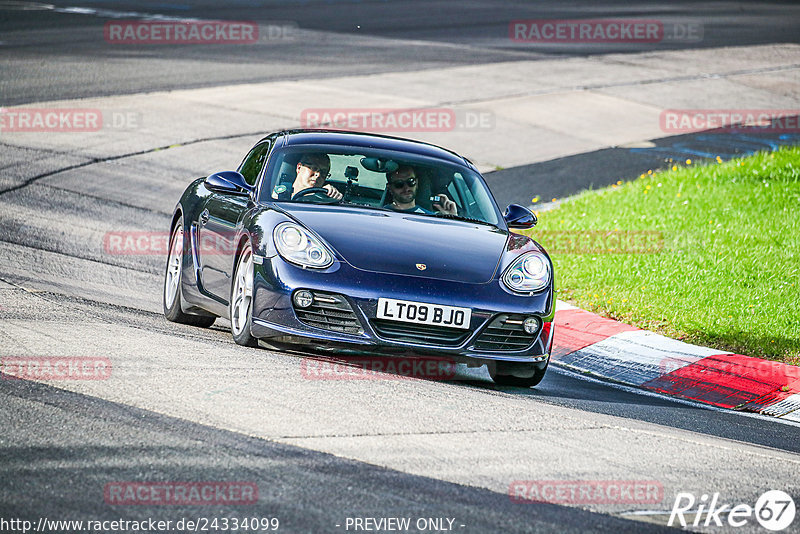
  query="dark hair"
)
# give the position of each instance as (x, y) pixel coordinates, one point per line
(402, 169)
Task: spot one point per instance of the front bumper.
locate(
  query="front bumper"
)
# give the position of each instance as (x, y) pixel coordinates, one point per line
(274, 316)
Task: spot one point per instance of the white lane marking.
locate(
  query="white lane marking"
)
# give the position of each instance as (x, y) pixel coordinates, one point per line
(561, 306)
(24, 6)
(558, 368)
(636, 357)
(74, 10)
(792, 416)
(112, 14)
(788, 408)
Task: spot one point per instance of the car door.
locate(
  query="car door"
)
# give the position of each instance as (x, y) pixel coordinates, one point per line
(218, 225)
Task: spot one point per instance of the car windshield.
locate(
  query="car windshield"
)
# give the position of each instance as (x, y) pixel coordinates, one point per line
(374, 179)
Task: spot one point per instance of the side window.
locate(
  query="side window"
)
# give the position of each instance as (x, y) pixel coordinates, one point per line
(254, 162)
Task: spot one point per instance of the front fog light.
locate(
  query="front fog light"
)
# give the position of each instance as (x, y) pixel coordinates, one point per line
(303, 298)
(531, 325)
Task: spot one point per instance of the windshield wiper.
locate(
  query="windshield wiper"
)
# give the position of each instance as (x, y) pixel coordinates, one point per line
(367, 206)
(463, 218)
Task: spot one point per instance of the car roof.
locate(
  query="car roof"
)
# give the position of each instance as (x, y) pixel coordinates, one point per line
(360, 139)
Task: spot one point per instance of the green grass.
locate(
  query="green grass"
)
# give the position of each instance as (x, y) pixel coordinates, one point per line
(727, 274)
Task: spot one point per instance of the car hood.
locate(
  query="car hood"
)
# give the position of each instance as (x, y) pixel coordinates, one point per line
(401, 243)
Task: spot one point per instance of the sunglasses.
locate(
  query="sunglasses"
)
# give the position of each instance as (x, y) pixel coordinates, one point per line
(398, 184)
(314, 168)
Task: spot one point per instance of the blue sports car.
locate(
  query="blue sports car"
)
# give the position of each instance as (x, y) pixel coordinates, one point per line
(357, 242)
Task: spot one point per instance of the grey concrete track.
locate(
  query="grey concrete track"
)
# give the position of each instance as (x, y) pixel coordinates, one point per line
(53, 435)
(465, 431)
(101, 304)
(187, 403)
(53, 53)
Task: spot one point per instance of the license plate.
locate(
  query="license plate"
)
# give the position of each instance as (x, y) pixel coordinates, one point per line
(422, 313)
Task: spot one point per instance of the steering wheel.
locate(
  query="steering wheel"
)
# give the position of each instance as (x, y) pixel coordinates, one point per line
(320, 191)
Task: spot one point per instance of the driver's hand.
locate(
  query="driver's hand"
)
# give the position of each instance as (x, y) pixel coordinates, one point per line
(332, 192)
(445, 205)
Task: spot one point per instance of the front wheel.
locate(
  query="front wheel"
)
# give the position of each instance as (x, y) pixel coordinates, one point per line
(241, 307)
(501, 373)
(172, 283)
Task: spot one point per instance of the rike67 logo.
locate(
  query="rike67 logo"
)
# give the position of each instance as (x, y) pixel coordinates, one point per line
(774, 510)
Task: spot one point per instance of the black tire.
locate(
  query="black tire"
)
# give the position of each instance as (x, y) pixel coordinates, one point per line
(241, 301)
(171, 296)
(502, 376)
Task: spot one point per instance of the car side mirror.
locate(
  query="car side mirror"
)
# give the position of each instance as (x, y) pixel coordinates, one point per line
(228, 182)
(517, 216)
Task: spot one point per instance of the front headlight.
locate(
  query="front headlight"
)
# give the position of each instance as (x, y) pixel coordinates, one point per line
(529, 273)
(298, 245)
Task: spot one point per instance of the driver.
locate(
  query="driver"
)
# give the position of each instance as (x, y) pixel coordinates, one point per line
(403, 186)
(312, 171)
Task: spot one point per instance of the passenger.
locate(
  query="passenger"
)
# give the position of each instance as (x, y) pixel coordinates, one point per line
(312, 171)
(403, 186)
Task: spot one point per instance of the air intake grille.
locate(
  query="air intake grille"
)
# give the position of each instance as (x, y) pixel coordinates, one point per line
(505, 333)
(423, 334)
(330, 312)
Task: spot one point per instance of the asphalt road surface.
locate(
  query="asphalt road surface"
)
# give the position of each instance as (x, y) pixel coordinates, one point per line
(188, 405)
(57, 49)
